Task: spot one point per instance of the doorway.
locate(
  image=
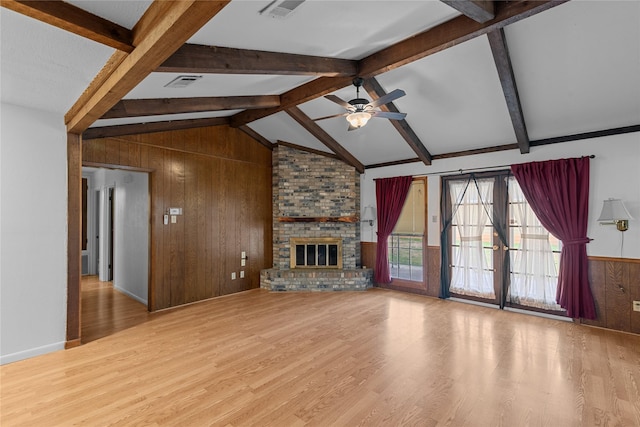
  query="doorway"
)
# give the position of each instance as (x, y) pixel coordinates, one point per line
(496, 250)
(122, 221)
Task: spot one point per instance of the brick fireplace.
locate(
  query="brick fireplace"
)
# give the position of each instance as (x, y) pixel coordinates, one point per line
(316, 230)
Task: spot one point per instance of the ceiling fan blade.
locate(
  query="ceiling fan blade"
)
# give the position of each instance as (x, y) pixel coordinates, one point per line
(391, 96)
(330, 117)
(389, 115)
(340, 102)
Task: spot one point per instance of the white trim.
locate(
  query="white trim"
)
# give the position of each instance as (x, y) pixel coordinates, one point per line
(539, 314)
(130, 295)
(469, 301)
(26, 354)
(513, 310)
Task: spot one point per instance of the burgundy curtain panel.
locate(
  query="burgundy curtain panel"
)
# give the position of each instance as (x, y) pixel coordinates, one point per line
(558, 193)
(391, 194)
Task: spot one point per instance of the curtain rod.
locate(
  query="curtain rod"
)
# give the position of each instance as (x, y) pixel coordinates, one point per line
(591, 156)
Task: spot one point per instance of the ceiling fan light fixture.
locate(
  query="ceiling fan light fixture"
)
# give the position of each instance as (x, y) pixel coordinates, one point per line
(358, 119)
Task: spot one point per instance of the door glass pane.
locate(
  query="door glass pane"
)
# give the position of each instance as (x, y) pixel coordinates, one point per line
(299, 254)
(472, 238)
(322, 254)
(311, 254)
(534, 255)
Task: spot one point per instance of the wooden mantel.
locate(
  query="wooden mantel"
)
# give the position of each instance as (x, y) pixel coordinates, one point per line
(350, 219)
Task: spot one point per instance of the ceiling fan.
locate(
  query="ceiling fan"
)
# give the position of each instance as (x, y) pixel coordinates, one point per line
(360, 110)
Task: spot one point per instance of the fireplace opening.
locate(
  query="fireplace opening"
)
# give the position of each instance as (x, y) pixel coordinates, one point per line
(321, 252)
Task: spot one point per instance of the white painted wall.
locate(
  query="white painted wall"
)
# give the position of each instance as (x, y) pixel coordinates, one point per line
(131, 237)
(33, 232)
(615, 172)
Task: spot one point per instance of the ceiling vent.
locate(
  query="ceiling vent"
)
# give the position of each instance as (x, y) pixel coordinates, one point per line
(182, 81)
(280, 8)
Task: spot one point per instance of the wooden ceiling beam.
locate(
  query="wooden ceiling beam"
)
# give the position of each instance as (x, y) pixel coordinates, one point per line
(536, 143)
(375, 90)
(500, 51)
(478, 10)
(439, 38)
(140, 128)
(75, 20)
(192, 58)
(299, 95)
(333, 145)
(160, 106)
(165, 26)
(449, 34)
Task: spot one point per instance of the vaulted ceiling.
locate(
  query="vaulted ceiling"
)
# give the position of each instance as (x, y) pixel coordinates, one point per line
(478, 75)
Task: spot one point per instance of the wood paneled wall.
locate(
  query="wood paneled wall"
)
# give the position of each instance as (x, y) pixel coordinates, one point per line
(615, 283)
(221, 178)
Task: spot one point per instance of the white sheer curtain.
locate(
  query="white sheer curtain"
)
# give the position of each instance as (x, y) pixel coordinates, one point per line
(534, 276)
(472, 269)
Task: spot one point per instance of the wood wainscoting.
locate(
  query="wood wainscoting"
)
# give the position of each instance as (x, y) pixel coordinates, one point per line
(221, 178)
(615, 283)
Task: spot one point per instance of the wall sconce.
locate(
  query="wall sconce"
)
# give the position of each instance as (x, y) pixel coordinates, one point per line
(369, 215)
(614, 212)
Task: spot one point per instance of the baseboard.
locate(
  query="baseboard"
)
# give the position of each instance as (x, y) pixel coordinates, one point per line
(130, 295)
(72, 343)
(472, 302)
(539, 314)
(33, 352)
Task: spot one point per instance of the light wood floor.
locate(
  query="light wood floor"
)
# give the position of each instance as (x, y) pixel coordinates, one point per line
(333, 359)
(106, 311)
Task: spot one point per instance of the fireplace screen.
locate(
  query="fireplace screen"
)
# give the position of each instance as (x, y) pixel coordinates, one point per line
(323, 252)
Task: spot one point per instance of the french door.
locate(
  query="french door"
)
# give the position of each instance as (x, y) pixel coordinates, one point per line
(497, 250)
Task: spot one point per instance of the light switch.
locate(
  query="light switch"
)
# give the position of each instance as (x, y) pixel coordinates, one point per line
(175, 211)
(166, 219)
(174, 219)
(434, 218)
(243, 262)
(242, 274)
(233, 276)
(243, 255)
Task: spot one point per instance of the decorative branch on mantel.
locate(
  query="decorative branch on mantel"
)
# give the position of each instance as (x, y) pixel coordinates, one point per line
(350, 219)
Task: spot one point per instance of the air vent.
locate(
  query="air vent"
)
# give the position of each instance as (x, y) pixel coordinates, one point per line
(182, 81)
(280, 8)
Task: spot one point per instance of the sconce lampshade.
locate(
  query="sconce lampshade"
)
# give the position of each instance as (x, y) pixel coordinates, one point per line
(614, 211)
(369, 215)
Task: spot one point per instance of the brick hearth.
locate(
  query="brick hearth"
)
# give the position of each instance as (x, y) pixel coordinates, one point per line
(308, 186)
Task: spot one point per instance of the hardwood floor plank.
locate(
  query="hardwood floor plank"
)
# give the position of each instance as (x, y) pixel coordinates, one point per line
(316, 359)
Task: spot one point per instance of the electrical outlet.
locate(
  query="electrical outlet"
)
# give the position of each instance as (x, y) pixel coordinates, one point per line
(636, 306)
(233, 276)
(242, 274)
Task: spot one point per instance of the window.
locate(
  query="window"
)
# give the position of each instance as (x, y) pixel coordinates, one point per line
(406, 243)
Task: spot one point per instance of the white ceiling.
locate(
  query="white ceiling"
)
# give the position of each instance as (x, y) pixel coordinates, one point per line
(577, 67)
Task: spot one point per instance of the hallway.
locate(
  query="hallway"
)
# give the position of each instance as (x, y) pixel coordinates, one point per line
(106, 311)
